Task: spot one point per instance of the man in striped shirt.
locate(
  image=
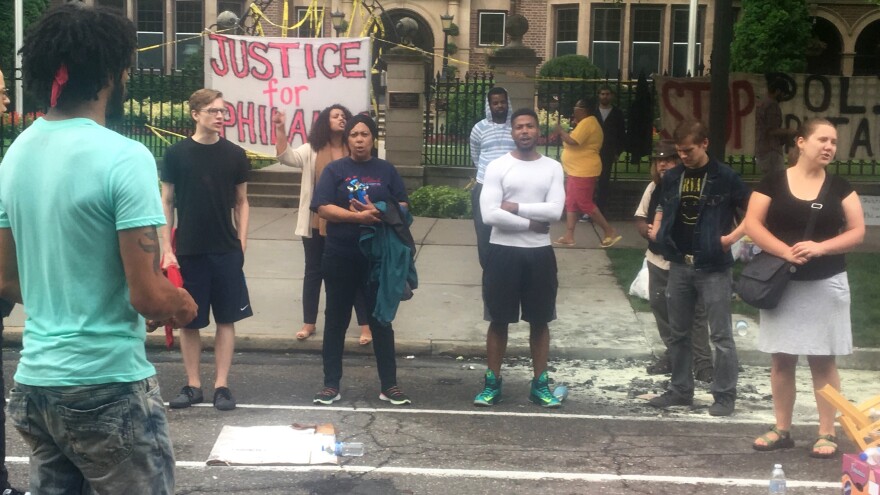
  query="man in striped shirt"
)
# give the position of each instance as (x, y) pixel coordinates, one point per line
(490, 138)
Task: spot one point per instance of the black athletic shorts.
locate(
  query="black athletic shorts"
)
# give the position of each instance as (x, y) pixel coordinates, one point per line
(216, 281)
(517, 277)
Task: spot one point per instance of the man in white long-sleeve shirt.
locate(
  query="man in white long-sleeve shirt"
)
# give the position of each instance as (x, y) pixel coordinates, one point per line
(522, 193)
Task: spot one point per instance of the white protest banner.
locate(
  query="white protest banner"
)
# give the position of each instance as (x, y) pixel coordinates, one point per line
(299, 76)
(851, 103)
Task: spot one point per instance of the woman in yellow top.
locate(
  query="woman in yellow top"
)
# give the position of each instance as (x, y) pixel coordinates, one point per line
(582, 164)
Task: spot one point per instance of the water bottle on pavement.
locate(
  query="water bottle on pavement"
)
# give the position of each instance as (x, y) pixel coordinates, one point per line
(742, 328)
(560, 392)
(346, 449)
(777, 481)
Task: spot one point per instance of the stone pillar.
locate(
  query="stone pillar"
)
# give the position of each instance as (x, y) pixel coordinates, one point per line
(514, 65)
(405, 113)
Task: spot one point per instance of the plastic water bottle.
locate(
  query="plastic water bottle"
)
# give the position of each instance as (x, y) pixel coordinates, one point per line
(346, 449)
(871, 456)
(560, 392)
(742, 328)
(777, 481)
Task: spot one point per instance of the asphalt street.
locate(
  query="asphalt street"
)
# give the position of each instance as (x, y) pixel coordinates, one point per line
(604, 440)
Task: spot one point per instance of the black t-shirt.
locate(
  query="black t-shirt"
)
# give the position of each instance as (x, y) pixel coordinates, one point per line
(689, 208)
(345, 179)
(204, 178)
(787, 219)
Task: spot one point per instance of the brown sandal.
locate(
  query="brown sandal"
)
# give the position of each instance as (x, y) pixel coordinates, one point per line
(783, 440)
(824, 441)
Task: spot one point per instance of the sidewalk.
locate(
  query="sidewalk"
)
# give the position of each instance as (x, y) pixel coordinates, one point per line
(595, 319)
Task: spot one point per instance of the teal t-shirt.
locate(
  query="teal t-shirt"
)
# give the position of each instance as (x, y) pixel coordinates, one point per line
(66, 188)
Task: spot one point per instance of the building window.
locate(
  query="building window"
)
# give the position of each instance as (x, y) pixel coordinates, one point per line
(678, 61)
(606, 40)
(233, 6)
(645, 54)
(566, 30)
(150, 33)
(188, 26)
(491, 28)
(311, 27)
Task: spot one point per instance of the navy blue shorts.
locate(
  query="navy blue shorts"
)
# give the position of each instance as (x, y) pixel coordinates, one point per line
(216, 281)
(520, 278)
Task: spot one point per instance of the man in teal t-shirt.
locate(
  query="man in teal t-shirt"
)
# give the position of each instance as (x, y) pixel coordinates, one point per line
(79, 207)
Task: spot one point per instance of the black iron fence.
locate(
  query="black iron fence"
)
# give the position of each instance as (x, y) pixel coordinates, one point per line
(154, 112)
(453, 107)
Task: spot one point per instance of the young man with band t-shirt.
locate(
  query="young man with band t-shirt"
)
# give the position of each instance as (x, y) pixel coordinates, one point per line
(522, 193)
(207, 175)
(694, 225)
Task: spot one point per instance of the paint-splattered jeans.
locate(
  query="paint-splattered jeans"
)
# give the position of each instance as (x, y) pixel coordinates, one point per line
(104, 439)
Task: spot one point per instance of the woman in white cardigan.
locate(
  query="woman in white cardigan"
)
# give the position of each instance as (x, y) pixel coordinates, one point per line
(324, 145)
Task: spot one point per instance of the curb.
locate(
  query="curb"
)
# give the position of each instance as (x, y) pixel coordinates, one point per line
(860, 359)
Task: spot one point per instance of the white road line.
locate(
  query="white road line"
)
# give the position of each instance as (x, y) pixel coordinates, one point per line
(660, 417)
(493, 474)
(513, 475)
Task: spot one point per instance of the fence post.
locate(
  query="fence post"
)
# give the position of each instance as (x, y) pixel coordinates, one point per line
(515, 64)
(405, 113)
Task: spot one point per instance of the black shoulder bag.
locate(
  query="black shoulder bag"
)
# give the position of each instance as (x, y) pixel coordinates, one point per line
(763, 280)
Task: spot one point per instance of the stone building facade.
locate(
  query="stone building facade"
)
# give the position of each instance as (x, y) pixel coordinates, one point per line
(623, 37)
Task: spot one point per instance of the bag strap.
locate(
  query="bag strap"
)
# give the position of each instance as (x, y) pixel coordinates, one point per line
(817, 205)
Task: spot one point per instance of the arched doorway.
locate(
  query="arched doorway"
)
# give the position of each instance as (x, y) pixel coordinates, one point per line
(825, 48)
(867, 58)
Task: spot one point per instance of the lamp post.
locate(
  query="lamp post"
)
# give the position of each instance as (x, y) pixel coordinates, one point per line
(446, 22)
(227, 21)
(337, 19)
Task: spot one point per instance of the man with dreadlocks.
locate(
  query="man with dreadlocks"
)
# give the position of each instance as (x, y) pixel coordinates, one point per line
(79, 247)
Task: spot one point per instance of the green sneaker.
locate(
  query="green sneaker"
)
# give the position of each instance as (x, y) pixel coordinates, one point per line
(541, 394)
(491, 393)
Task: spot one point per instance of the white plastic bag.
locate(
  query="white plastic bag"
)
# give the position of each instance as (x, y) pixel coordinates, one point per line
(639, 286)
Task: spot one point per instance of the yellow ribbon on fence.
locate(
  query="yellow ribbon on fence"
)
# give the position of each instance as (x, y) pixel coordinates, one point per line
(157, 131)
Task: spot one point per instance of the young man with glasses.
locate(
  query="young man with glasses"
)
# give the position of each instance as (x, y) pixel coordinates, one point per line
(207, 175)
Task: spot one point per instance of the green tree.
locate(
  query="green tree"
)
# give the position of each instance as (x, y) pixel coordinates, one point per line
(772, 36)
(33, 9)
(566, 79)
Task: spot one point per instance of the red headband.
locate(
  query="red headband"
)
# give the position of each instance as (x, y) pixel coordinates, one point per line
(58, 84)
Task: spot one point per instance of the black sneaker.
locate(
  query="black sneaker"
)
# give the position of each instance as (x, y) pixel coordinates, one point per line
(187, 397)
(723, 406)
(395, 396)
(704, 374)
(669, 399)
(327, 396)
(223, 400)
(13, 491)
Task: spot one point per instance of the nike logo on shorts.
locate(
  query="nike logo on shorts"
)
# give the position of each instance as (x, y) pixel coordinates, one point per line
(245, 307)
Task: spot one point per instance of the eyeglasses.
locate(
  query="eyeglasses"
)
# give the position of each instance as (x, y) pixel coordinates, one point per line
(216, 111)
(4, 91)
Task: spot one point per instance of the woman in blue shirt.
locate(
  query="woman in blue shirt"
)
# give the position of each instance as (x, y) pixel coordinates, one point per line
(344, 196)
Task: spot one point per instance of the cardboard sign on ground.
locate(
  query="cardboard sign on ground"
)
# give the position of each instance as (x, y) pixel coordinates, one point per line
(273, 445)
